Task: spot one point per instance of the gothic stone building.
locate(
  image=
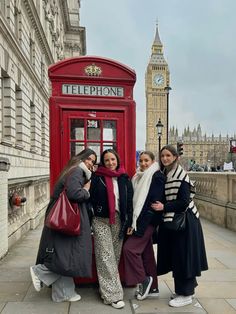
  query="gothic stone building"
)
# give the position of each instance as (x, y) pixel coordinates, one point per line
(33, 35)
(206, 151)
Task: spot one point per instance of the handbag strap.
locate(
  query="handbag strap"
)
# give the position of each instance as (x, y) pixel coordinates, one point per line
(67, 177)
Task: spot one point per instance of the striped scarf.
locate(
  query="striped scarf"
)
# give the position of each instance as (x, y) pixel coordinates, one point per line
(173, 182)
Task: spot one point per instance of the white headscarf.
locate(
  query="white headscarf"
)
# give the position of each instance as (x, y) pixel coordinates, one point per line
(141, 183)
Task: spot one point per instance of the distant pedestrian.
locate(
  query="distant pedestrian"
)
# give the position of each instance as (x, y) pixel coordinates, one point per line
(62, 257)
(139, 259)
(182, 252)
(111, 197)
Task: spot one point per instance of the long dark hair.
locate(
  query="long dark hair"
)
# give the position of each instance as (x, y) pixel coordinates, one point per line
(110, 150)
(149, 153)
(75, 160)
(174, 152)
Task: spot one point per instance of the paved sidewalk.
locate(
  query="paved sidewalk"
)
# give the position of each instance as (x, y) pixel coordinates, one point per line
(216, 292)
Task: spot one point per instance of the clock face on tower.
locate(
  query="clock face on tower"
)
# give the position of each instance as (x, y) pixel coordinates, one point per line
(158, 79)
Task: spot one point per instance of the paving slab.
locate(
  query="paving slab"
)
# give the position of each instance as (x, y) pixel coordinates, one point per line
(214, 263)
(91, 302)
(16, 262)
(13, 291)
(33, 296)
(161, 306)
(232, 302)
(10, 274)
(222, 275)
(36, 308)
(217, 306)
(216, 289)
(2, 304)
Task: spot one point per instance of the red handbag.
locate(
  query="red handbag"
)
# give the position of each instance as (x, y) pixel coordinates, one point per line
(64, 217)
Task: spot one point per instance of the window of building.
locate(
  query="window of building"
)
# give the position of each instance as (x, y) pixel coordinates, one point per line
(43, 69)
(19, 118)
(3, 7)
(43, 134)
(7, 110)
(32, 127)
(32, 49)
(17, 20)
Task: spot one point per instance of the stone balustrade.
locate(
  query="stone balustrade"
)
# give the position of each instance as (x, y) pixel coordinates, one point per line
(216, 197)
(27, 215)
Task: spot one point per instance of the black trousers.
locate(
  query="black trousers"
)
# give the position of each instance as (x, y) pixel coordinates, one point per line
(185, 286)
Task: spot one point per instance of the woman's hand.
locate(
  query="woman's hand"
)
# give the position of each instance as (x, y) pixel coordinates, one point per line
(87, 185)
(157, 206)
(130, 231)
(94, 168)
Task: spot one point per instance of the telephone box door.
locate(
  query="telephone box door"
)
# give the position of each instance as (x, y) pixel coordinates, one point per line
(96, 130)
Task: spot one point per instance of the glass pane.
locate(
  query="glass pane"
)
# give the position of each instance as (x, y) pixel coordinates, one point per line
(77, 129)
(109, 145)
(96, 148)
(93, 130)
(76, 148)
(109, 130)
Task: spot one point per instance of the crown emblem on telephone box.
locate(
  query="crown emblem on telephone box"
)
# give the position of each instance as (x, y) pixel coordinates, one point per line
(93, 70)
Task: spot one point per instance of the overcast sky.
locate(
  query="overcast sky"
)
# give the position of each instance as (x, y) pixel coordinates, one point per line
(199, 45)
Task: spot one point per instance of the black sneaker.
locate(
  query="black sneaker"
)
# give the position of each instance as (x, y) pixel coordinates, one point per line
(144, 288)
(153, 293)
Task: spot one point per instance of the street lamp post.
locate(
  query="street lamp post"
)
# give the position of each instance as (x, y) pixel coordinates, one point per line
(159, 127)
(167, 89)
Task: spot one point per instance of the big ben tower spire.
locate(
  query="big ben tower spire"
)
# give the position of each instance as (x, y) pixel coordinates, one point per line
(157, 80)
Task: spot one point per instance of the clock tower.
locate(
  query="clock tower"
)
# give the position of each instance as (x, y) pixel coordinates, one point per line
(157, 87)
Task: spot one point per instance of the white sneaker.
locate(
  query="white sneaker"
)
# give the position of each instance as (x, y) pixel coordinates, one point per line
(75, 298)
(153, 293)
(175, 295)
(118, 304)
(181, 300)
(37, 283)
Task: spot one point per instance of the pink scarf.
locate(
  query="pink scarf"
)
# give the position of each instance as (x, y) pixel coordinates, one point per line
(108, 175)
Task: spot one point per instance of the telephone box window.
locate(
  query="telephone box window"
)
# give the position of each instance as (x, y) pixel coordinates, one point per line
(109, 130)
(96, 148)
(76, 148)
(109, 146)
(77, 129)
(93, 130)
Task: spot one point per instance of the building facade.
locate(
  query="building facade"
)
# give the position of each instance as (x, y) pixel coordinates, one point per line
(33, 35)
(209, 152)
(157, 87)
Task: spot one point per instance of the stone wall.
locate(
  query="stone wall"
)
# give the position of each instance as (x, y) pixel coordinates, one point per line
(216, 197)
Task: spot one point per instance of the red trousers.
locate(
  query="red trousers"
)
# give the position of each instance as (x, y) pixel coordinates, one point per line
(139, 259)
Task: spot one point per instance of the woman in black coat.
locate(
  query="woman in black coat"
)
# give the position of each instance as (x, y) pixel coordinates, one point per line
(139, 259)
(62, 257)
(182, 252)
(111, 197)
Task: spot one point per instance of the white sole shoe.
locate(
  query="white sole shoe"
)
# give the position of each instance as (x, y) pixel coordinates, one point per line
(37, 283)
(175, 295)
(118, 305)
(141, 297)
(75, 298)
(180, 301)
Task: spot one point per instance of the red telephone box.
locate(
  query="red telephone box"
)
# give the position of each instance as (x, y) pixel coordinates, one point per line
(91, 106)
